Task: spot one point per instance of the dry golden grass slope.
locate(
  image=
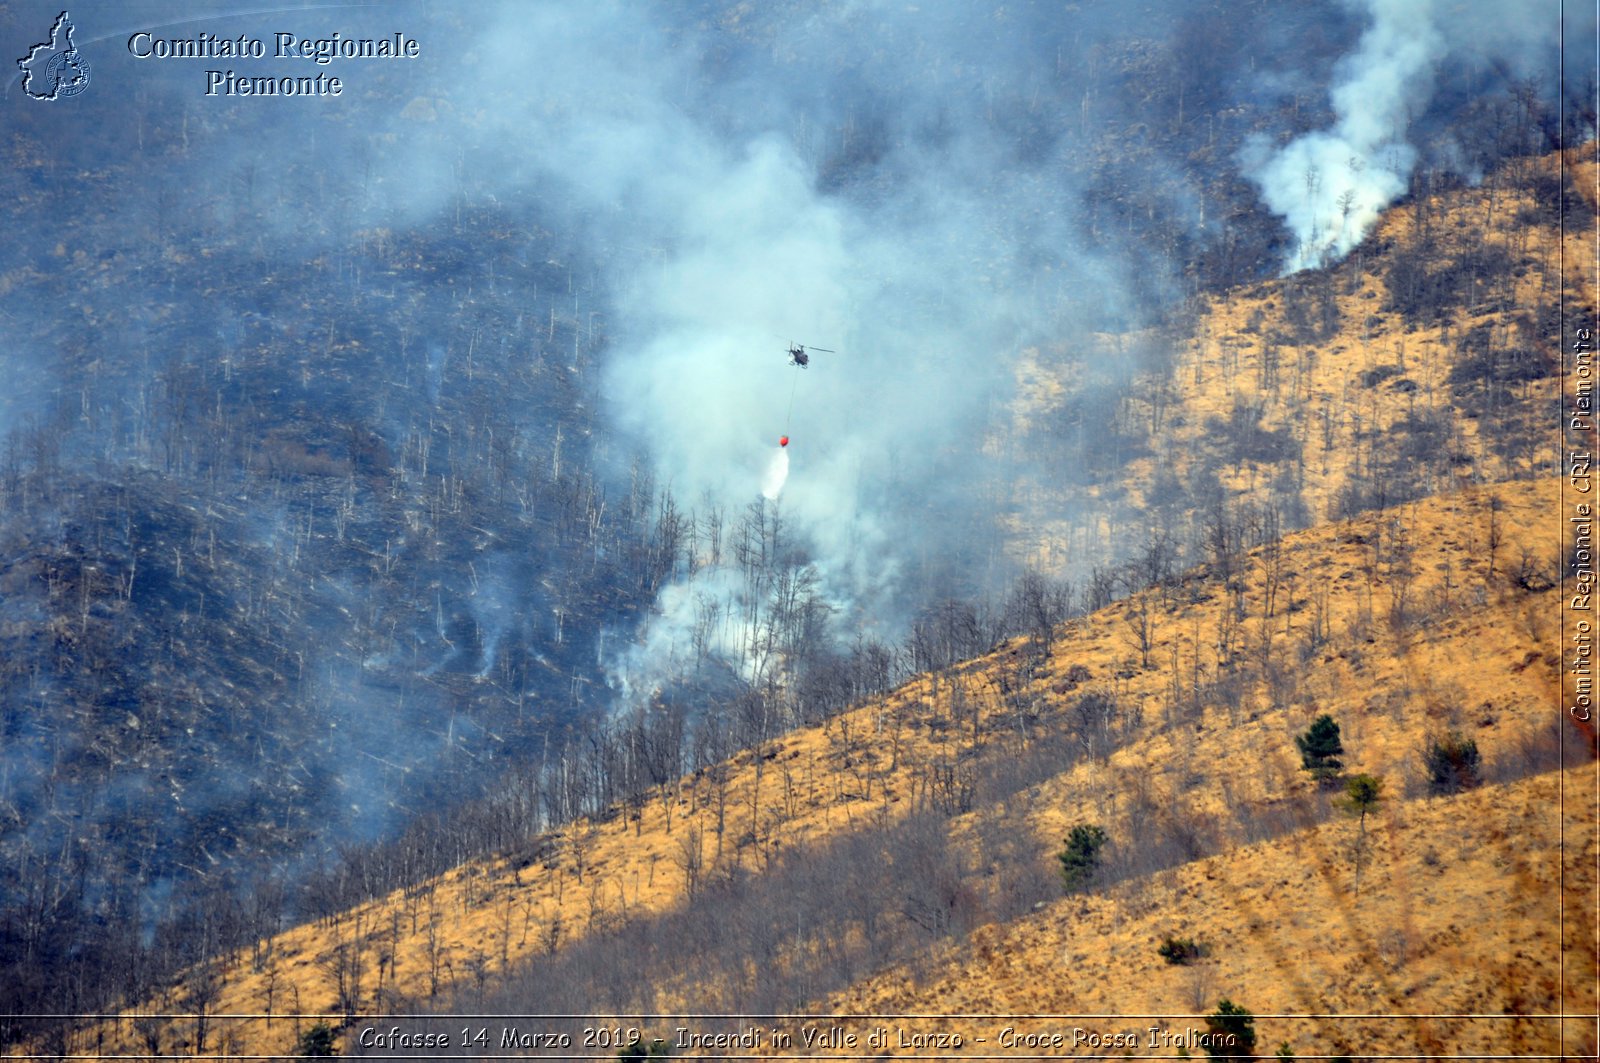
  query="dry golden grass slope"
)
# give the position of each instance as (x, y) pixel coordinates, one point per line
(1482, 903)
(1459, 913)
(1393, 624)
(1338, 398)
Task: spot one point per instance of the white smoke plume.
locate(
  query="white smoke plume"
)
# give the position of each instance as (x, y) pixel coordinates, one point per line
(1331, 185)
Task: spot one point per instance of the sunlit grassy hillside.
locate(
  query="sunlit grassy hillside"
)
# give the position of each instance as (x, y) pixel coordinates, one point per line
(1425, 362)
(1459, 912)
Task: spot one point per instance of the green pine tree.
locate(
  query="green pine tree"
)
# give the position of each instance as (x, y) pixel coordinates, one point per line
(1081, 858)
(316, 1043)
(1452, 763)
(1233, 1031)
(1361, 795)
(1321, 749)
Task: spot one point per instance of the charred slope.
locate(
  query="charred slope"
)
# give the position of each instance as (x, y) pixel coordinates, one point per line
(314, 544)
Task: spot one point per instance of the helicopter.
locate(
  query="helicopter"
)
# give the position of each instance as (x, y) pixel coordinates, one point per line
(800, 358)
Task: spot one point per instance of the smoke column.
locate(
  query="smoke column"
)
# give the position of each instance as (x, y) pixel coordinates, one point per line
(1331, 185)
